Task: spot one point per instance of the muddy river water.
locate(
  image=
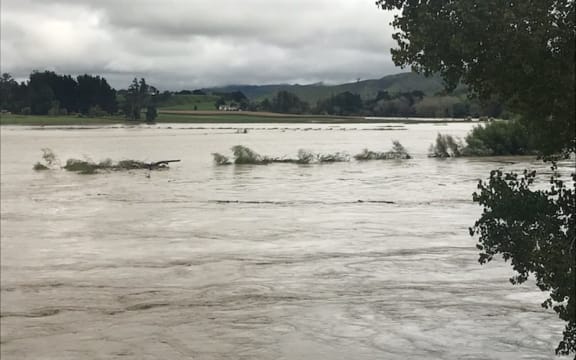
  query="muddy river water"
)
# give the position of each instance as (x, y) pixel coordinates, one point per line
(357, 260)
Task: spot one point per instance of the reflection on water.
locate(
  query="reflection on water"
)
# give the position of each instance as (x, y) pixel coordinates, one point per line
(359, 260)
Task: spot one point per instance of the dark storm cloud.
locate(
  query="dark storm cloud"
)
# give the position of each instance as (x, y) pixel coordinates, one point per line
(188, 44)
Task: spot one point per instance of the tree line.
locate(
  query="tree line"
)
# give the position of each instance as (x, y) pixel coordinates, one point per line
(48, 93)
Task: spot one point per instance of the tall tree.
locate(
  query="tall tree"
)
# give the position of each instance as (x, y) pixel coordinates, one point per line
(138, 97)
(521, 53)
(48, 92)
(133, 106)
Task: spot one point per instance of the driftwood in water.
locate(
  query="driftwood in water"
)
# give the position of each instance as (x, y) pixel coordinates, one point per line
(160, 164)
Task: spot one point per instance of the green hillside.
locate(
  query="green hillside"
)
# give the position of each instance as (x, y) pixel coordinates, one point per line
(367, 89)
(311, 94)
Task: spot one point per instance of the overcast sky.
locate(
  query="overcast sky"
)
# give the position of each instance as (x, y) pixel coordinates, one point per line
(187, 44)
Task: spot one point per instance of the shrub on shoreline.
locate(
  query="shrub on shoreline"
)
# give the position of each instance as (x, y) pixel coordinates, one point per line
(497, 138)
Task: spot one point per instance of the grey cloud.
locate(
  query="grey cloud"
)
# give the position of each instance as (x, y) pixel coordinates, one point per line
(187, 44)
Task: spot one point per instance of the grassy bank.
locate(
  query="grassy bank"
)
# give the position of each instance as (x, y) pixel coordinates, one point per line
(41, 120)
(205, 117)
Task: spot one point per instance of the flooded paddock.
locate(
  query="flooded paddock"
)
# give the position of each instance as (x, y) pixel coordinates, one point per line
(355, 260)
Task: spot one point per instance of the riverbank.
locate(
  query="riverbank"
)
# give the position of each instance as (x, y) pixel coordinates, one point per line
(211, 117)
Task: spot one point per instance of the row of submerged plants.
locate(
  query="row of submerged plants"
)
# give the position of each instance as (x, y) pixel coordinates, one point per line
(498, 138)
(244, 155)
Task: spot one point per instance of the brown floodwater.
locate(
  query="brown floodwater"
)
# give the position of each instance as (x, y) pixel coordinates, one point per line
(356, 260)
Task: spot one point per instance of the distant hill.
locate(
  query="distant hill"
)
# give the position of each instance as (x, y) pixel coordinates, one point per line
(430, 101)
(367, 89)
